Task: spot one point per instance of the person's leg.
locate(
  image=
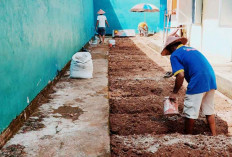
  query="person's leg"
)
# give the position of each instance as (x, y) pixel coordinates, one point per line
(103, 34)
(144, 32)
(103, 38)
(212, 124)
(192, 104)
(208, 110)
(189, 125)
(100, 38)
(140, 31)
(99, 34)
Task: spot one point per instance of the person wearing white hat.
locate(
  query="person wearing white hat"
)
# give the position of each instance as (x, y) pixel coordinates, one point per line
(190, 64)
(101, 25)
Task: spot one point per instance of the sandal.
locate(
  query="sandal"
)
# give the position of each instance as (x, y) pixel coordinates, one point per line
(168, 74)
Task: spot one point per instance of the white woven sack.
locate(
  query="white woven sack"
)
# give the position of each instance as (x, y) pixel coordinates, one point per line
(81, 65)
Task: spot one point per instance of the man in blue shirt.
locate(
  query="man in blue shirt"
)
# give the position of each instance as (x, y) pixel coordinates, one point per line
(190, 64)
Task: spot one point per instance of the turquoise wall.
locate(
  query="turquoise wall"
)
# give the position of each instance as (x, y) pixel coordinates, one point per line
(119, 16)
(37, 38)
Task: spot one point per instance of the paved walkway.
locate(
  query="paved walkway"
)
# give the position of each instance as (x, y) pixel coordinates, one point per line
(75, 120)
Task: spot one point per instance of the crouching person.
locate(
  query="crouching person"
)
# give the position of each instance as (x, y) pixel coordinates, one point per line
(143, 29)
(190, 64)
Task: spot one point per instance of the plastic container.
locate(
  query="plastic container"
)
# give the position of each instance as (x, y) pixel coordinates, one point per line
(112, 42)
(170, 107)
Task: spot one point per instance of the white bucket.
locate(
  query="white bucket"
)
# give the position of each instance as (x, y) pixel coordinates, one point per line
(112, 42)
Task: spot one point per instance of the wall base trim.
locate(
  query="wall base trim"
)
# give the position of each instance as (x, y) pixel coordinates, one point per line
(18, 122)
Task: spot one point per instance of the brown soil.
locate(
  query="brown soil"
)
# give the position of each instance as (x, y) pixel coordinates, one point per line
(34, 122)
(137, 124)
(69, 112)
(13, 151)
(174, 145)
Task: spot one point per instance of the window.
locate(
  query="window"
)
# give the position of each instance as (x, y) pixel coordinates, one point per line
(184, 12)
(171, 6)
(225, 13)
(197, 11)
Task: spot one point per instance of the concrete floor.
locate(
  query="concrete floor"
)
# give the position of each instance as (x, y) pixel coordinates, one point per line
(63, 132)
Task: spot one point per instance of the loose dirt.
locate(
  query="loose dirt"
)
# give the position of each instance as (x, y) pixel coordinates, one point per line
(15, 150)
(137, 124)
(34, 122)
(69, 112)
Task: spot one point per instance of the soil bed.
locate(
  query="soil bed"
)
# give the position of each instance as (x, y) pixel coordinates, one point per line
(138, 127)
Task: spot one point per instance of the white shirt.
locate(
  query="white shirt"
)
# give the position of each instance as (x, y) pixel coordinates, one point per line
(102, 19)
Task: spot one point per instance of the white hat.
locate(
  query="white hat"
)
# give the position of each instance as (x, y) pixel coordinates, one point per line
(171, 40)
(101, 12)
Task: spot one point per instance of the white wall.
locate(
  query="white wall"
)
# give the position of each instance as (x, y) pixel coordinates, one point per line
(210, 38)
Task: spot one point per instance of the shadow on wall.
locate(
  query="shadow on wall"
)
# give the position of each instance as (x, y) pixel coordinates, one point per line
(110, 15)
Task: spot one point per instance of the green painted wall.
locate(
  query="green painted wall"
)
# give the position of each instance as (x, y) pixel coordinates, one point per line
(37, 38)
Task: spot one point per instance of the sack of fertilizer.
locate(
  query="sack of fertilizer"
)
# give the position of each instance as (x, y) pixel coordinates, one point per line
(170, 107)
(81, 65)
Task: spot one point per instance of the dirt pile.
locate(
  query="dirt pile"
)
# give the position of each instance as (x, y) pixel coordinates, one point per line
(13, 150)
(69, 112)
(138, 127)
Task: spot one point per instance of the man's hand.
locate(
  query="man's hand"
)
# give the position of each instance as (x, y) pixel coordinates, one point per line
(173, 97)
(96, 28)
